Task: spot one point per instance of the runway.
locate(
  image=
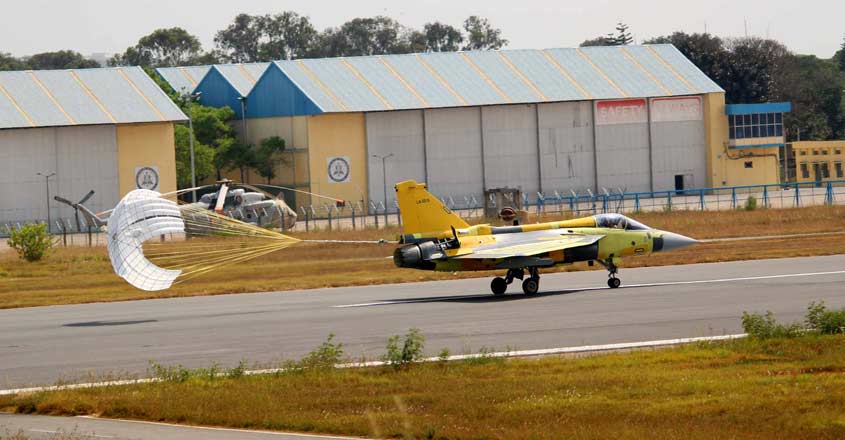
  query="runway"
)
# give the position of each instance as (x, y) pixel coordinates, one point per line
(41, 345)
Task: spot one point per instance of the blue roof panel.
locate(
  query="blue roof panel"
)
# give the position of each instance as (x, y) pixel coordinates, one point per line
(612, 61)
(583, 73)
(686, 68)
(463, 78)
(420, 78)
(505, 78)
(348, 87)
(544, 75)
(388, 84)
(651, 63)
(183, 79)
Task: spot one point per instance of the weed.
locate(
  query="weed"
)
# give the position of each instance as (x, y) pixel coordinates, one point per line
(750, 203)
(237, 371)
(765, 326)
(325, 356)
(822, 320)
(444, 354)
(485, 356)
(169, 373)
(411, 351)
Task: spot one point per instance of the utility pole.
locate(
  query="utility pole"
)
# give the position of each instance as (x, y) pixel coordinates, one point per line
(384, 175)
(47, 185)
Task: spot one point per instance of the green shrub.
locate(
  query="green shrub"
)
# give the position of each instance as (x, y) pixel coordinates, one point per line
(411, 351)
(765, 326)
(32, 241)
(750, 203)
(325, 356)
(824, 321)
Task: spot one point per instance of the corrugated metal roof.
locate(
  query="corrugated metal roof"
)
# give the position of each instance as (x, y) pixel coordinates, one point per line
(82, 97)
(183, 79)
(377, 83)
(242, 76)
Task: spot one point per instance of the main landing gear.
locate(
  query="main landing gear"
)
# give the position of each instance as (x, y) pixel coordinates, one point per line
(530, 285)
(612, 281)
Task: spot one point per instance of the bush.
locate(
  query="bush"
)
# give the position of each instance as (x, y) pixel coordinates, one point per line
(32, 241)
(765, 326)
(824, 321)
(411, 351)
(750, 203)
(326, 356)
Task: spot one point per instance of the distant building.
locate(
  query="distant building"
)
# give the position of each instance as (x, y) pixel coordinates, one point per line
(629, 118)
(818, 161)
(110, 130)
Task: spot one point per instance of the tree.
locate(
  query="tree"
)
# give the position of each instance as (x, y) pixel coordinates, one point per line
(161, 48)
(441, 37)
(285, 36)
(751, 68)
(377, 35)
(63, 59)
(232, 154)
(840, 56)
(266, 157)
(814, 86)
(203, 158)
(621, 38)
(481, 35)
(8, 62)
(239, 41)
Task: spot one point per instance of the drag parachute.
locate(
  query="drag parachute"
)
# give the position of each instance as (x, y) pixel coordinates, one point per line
(154, 242)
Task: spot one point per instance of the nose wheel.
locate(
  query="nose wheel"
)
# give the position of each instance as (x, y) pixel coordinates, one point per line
(612, 281)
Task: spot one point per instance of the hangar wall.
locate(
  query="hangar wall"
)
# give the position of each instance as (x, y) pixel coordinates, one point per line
(510, 147)
(623, 156)
(146, 145)
(83, 158)
(454, 151)
(567, 150)
(399, 133)
(332, 136)
(678, 142)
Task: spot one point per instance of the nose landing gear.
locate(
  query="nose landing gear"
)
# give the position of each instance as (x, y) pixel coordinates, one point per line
(612, 281)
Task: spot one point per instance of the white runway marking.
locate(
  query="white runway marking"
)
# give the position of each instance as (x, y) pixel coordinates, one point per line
(212, 428)
(669, 283)
(47, 431)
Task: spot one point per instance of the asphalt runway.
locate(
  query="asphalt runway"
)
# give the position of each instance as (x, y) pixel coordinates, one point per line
(86, 428)
(41, 345)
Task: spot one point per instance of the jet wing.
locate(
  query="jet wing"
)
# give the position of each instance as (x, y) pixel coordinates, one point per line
(530, 245)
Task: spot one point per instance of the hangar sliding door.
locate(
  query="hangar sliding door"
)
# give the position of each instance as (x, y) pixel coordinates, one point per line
(677, 139)
(453, 152)
(399, 133)
(510, 148)
(622, 145)
(567, 150)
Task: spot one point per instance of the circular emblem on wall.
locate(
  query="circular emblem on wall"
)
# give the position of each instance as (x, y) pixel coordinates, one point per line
(338, 169)
(146, 178)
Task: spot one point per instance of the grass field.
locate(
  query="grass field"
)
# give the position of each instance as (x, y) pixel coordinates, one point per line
(80, 275)
(748, 389)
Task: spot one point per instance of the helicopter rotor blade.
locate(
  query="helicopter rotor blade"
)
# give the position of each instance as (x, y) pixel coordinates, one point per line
(87, 196)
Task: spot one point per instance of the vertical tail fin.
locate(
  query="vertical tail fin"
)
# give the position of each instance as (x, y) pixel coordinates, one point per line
(422, 212)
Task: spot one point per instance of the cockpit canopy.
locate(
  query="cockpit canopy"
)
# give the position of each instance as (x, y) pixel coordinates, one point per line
(618, 221)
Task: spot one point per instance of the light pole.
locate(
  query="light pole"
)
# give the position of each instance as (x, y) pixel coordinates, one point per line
(47, 185)
(191, 98)
(242, 99)
(384, 175)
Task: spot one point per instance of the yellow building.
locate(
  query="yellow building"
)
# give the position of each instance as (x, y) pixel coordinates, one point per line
(819, 161)
(108, 130)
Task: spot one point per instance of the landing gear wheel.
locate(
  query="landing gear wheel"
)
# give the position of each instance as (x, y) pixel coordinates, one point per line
(530, 286)
(613, 282)
(498, 286)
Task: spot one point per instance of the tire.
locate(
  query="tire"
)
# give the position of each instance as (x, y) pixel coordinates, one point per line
(530, 286)
(498, 286)
(613, 282)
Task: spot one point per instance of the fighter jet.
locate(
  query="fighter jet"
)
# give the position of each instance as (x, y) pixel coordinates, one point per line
(255, 206)
(435, 238)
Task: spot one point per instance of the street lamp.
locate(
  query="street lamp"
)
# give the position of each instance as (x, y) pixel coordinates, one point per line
(384, 176)
(242, 99)
(191, 98)
(47, 184)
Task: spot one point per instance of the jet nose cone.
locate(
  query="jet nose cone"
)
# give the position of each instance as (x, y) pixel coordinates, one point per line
(672, 241)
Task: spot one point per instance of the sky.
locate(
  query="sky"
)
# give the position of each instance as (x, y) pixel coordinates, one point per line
(110, 26)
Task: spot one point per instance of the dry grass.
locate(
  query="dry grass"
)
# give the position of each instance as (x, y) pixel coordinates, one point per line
(80, 275)
(745, 389)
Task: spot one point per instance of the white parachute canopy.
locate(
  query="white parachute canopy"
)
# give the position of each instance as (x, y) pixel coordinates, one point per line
(141, 215)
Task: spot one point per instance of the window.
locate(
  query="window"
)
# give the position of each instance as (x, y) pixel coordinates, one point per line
(805, 170)
(749, 164)
(837, 166)
(824, 152)
(837, 151)
(758, 125)
(825, 170)
(815, 152)
(803, 152)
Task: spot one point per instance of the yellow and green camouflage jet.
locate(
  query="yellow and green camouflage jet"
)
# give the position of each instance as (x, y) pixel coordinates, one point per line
(435, 238)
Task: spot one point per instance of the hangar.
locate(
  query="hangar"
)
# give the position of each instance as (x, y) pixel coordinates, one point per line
(110, 130)
(621, 118)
